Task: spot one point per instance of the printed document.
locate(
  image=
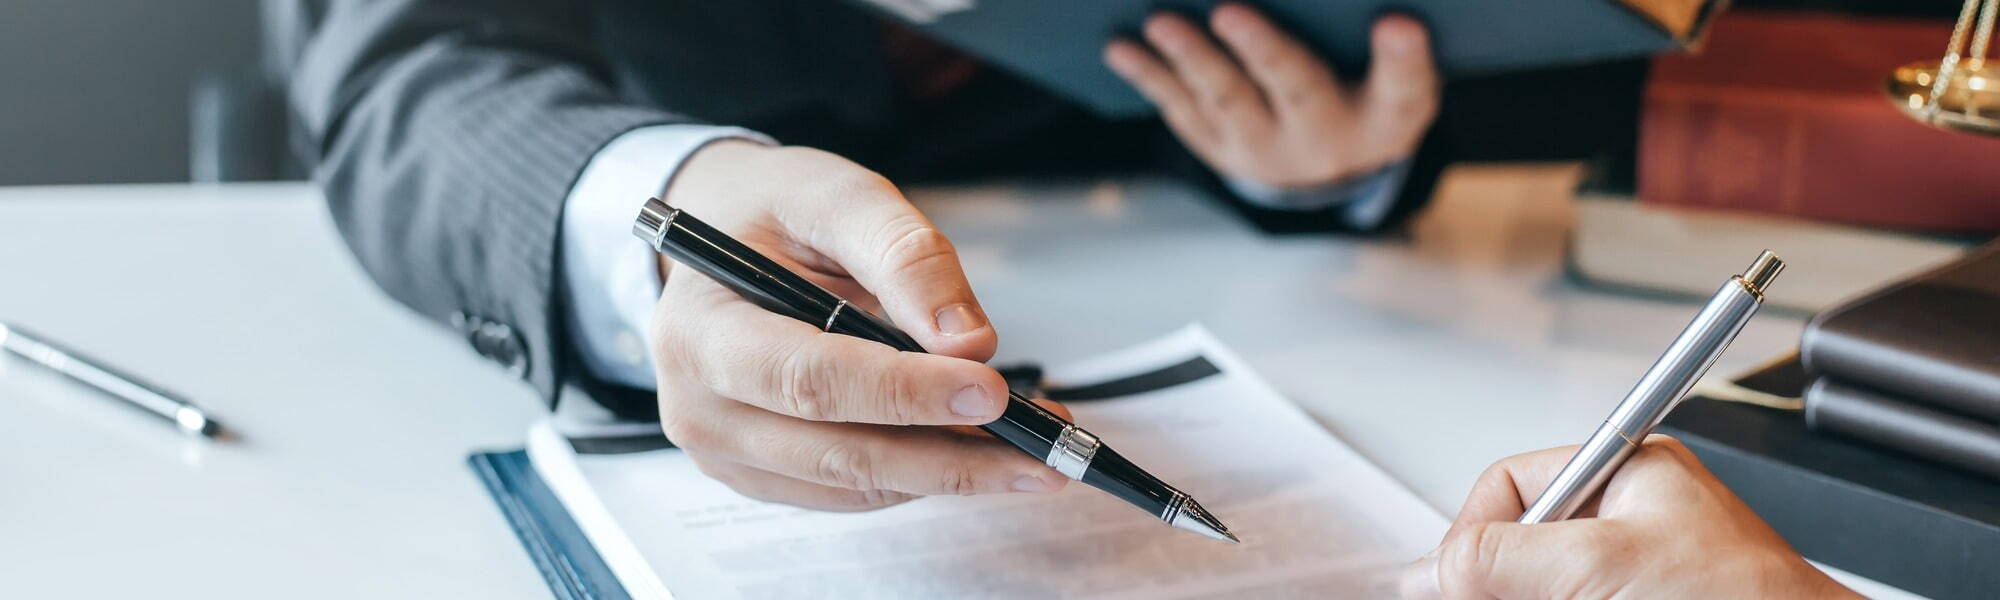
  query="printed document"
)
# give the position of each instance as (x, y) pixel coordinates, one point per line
(1317, 520)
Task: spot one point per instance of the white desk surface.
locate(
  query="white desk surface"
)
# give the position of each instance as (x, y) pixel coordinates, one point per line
(1433, 355)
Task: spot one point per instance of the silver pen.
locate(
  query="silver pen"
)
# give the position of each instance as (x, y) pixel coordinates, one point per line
(189, 418)
(1658, 391)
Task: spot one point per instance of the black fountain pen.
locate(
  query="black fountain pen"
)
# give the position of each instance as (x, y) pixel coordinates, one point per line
(1061, 444)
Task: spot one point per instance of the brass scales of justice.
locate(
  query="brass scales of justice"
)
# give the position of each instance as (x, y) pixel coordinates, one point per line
(1962, 91)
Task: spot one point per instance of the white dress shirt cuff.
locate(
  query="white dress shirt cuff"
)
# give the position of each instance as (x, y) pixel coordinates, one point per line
(1364, 201)
(611, 278)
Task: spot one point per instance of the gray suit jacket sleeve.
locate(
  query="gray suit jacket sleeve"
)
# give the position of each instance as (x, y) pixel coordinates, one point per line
(447, 134)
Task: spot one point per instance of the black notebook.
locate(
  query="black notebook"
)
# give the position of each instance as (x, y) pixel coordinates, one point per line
(1933, 338)
(1881, 514)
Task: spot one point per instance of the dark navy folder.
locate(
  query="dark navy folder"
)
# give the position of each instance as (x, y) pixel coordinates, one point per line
(1058, 44)
(565, 557)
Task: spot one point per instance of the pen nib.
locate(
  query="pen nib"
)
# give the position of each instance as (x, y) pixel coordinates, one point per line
(1193, 517)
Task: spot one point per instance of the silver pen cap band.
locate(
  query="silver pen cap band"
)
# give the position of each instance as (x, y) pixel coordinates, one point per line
(1072, 451)
(1175, 505)
(654, 218)
(833, 316)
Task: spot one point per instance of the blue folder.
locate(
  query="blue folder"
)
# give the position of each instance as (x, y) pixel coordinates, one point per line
(1058, 44)
(552, 539)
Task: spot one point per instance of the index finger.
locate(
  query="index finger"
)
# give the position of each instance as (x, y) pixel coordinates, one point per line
(789, 367)
(1504, 490)
(1296, 82)
(912, 460)
(1225, 93)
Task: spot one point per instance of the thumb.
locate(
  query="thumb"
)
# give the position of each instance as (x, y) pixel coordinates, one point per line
(897, 254)
(1508, 560)
(1401, 95)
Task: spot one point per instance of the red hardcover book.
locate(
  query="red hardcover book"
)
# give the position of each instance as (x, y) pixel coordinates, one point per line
(1784, 113)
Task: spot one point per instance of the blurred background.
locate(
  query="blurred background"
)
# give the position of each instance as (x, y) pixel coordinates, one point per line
(125, 91)
(1775, 133)
(105, 91)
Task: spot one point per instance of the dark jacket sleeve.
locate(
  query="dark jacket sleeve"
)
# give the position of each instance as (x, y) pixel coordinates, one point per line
(447, 134)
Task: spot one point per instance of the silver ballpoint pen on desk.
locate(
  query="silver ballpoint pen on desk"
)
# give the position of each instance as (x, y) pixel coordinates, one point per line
(189, 418)
(1658, 391)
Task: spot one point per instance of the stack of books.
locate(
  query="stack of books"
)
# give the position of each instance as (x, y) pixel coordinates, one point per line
(1783, 113)
(1915, 366)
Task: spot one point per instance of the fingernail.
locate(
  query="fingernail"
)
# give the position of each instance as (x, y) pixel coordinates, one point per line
(1030, 483)
(1420, 579)
(972, 401)
(958, 319)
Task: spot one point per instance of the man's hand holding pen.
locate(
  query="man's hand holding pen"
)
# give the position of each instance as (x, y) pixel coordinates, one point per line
(782, 412)
(818, 435)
